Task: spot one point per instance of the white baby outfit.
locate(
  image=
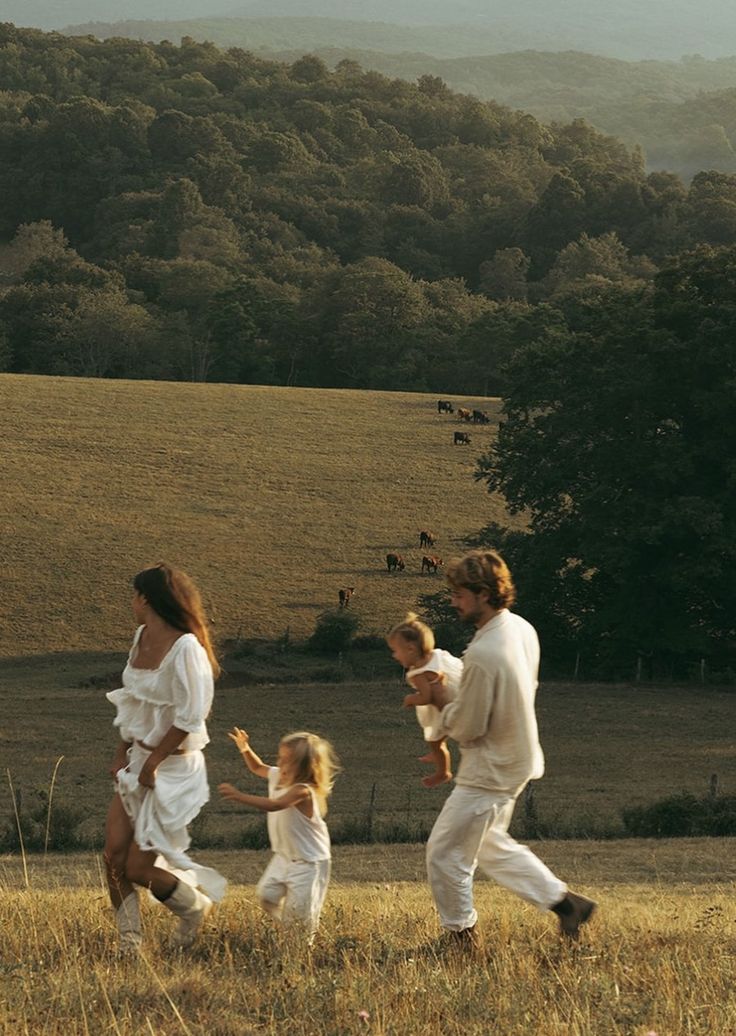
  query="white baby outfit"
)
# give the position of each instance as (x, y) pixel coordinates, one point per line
(294, 885)
(429, 716)
(178, 693)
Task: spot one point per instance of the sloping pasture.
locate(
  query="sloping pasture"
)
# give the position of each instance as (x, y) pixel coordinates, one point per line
(272, 498)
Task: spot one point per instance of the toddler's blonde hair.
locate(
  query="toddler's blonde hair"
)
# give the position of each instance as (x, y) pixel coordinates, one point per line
(415, 631)
(314, 762)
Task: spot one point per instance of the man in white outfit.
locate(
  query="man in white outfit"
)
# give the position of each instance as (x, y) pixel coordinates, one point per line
(492, 719)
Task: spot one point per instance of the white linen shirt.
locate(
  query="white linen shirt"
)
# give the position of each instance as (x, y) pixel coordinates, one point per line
(492, 718)
(177, 694)
(290, 832)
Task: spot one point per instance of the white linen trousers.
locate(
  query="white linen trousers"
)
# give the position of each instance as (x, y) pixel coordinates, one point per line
(294, 890)
(472, 831)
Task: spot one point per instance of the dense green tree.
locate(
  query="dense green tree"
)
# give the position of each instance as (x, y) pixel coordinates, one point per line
(504, 277)
(617, 443)
(372, 310)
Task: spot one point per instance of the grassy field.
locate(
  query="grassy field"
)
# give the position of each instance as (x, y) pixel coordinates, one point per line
(658, 958)
(607, 746)
(273, 498)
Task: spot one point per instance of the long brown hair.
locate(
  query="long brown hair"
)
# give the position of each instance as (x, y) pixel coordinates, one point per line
(175, 598)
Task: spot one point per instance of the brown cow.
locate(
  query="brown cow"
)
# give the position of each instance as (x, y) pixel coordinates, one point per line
(430, 562)
(463, 414)
(426, 538)
(344, 595)
(462, 438)
(395, 562)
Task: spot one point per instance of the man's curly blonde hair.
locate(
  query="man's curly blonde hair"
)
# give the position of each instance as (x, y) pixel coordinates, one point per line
(480, 570)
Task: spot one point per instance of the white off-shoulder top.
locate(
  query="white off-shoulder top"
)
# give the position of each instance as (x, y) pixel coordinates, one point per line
(178, 693)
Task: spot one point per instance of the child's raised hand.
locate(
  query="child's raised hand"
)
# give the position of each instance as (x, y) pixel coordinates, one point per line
(229, 792)
(410, 701)
(240, 737)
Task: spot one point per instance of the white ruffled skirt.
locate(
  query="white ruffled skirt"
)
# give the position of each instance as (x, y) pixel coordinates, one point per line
(160, 815)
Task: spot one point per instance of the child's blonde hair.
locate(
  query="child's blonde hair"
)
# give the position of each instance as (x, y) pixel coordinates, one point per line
(415, 631)
(314, 762)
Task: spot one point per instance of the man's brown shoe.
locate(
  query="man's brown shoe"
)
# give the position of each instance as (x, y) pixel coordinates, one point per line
(451, 943)
(573, 911)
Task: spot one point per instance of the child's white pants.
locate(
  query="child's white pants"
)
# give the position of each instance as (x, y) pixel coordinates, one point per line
(294, 890)
(472, 831)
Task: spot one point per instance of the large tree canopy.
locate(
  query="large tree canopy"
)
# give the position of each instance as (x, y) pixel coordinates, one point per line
(618, 443)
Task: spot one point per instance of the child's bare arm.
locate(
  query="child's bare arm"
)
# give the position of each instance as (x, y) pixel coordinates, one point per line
(292, 797)
(423, 684)
(242, 742)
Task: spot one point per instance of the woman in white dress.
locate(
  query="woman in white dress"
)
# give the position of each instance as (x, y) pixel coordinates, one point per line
(158, 768)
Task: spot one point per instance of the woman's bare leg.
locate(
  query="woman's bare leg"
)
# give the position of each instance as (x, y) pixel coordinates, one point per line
(140, 869)
(126, 864)
(118, 839)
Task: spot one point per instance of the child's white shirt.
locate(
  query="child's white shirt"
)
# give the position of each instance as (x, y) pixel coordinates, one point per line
(439, 661)
(291, 833)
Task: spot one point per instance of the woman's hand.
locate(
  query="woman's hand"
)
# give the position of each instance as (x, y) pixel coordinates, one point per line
(119, 762)
(240, 737)
(147, 776)
(229, 792)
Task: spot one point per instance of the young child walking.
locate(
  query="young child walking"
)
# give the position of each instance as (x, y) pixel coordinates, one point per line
(412, 645)
(293, 886)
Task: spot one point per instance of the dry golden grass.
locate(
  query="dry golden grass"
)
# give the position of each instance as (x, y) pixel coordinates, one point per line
(659, 957)
(272, 498)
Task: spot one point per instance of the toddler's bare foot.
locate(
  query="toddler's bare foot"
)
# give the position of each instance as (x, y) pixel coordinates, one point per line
(438, 777)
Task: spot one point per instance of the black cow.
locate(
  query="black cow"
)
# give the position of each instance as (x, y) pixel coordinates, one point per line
(480, 417)
(426, 539)
(444, 406)
(462, 438)
(395, 562)
(430, 563)
(344, 595)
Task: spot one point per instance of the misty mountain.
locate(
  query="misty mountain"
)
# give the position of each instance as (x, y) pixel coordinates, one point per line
(662, 29)
(281, 35)
(56, 14)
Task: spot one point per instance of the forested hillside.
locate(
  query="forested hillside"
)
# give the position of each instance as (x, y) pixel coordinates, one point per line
(682, 113)
(185, 212)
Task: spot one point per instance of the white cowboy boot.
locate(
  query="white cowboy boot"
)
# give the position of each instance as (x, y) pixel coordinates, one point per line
(191, 907)
(128, 920)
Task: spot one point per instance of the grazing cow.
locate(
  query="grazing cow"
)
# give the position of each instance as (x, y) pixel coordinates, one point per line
(480, 417)
(395, 562)
(462, 438)
(430, 563)
(344, 595)
(426, 539)
(444, 406)
(463, 414)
